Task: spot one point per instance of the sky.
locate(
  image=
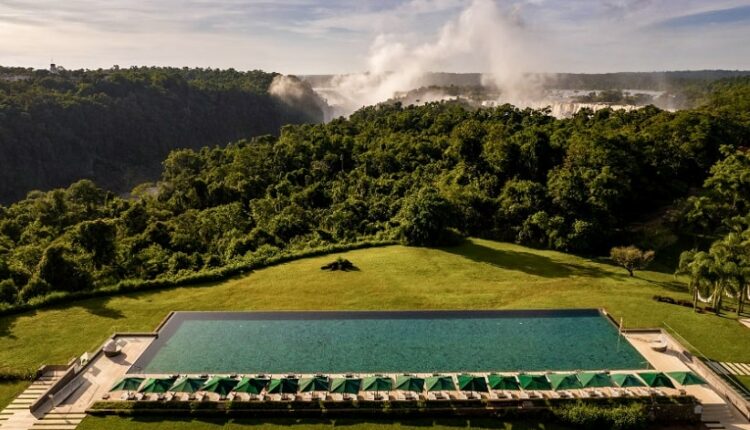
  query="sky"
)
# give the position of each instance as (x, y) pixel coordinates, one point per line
(342, 36)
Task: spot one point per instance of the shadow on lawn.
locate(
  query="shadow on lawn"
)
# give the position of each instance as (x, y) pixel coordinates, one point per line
(99, 307)
(532, 264)
(6, 323)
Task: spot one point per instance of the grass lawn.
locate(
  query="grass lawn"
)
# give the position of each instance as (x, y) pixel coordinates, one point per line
(476, 275)
(115, 423)
(9, 390)
(744, 380)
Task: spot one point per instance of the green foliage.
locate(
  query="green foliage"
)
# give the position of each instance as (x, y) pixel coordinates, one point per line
(8, 291)
(631, 258)
(424, 175)
(723, 270)
(61, 271)
(116, 126)
(425, 218)
(591, 416)
(35, 288)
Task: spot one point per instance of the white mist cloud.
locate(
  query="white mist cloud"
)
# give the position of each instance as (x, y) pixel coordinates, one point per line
(492, 38)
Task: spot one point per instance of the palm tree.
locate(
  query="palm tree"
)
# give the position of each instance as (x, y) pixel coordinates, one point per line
(698, 266)
(732, 266)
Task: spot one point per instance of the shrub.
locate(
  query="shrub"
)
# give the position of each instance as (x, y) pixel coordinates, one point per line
(589, 416)
(8, 291)
(35, 288)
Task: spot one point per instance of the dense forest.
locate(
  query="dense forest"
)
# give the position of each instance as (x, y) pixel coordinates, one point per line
(423, 175)
(116, 126)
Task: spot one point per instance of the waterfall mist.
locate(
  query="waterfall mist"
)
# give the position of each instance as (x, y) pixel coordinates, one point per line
(483, 34)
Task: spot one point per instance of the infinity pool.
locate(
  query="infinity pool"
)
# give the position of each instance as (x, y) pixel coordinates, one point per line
(388, 342)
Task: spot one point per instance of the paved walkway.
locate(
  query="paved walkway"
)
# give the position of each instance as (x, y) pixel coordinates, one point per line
(18, 417)
(717, 413)
(91, 385)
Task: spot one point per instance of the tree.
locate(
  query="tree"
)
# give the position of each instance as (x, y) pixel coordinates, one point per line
(698, 266)
(61, 271)
(631, 258)
(425, 218)
(97, 237)
(722, 271)
(732, 268)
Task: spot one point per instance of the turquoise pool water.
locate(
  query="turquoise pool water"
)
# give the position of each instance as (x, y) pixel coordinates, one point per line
(362, 342)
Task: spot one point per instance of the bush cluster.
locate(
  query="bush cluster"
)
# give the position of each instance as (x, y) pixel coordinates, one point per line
(591, 416)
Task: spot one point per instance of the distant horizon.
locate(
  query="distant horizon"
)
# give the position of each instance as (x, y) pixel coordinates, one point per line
(112, 67)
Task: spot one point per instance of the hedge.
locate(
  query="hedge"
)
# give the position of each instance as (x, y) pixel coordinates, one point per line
(621, 413)
(212, 275)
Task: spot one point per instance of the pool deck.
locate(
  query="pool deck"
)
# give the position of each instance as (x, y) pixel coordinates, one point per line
(716, 408)
(88, 386)
(95, 379)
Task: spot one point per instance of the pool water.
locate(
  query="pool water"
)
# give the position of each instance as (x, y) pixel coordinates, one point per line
(388, 342)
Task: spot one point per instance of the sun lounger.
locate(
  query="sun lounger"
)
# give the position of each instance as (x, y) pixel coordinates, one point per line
(139, 396)
(524, 395)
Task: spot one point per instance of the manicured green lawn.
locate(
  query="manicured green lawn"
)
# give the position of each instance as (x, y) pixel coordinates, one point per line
(477, 275)
(114, 423)
(744, 380)
(9, 390)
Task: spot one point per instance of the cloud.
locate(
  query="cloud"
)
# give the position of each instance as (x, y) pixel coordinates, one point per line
(712, 17)
(317, 36)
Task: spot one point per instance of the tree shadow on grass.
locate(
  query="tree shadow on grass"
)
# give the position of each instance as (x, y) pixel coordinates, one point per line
(527, 262)
(99, 307)
(7, 322)
(673, 286)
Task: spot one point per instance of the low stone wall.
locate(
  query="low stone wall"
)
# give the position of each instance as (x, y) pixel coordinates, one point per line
(67, 377)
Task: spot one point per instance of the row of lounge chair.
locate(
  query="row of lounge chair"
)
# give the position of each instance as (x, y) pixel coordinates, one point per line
(396, 394)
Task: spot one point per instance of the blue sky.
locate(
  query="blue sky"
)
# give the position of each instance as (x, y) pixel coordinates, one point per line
(336, 36)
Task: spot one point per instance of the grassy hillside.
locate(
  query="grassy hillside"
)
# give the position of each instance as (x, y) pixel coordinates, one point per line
(477, 275)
